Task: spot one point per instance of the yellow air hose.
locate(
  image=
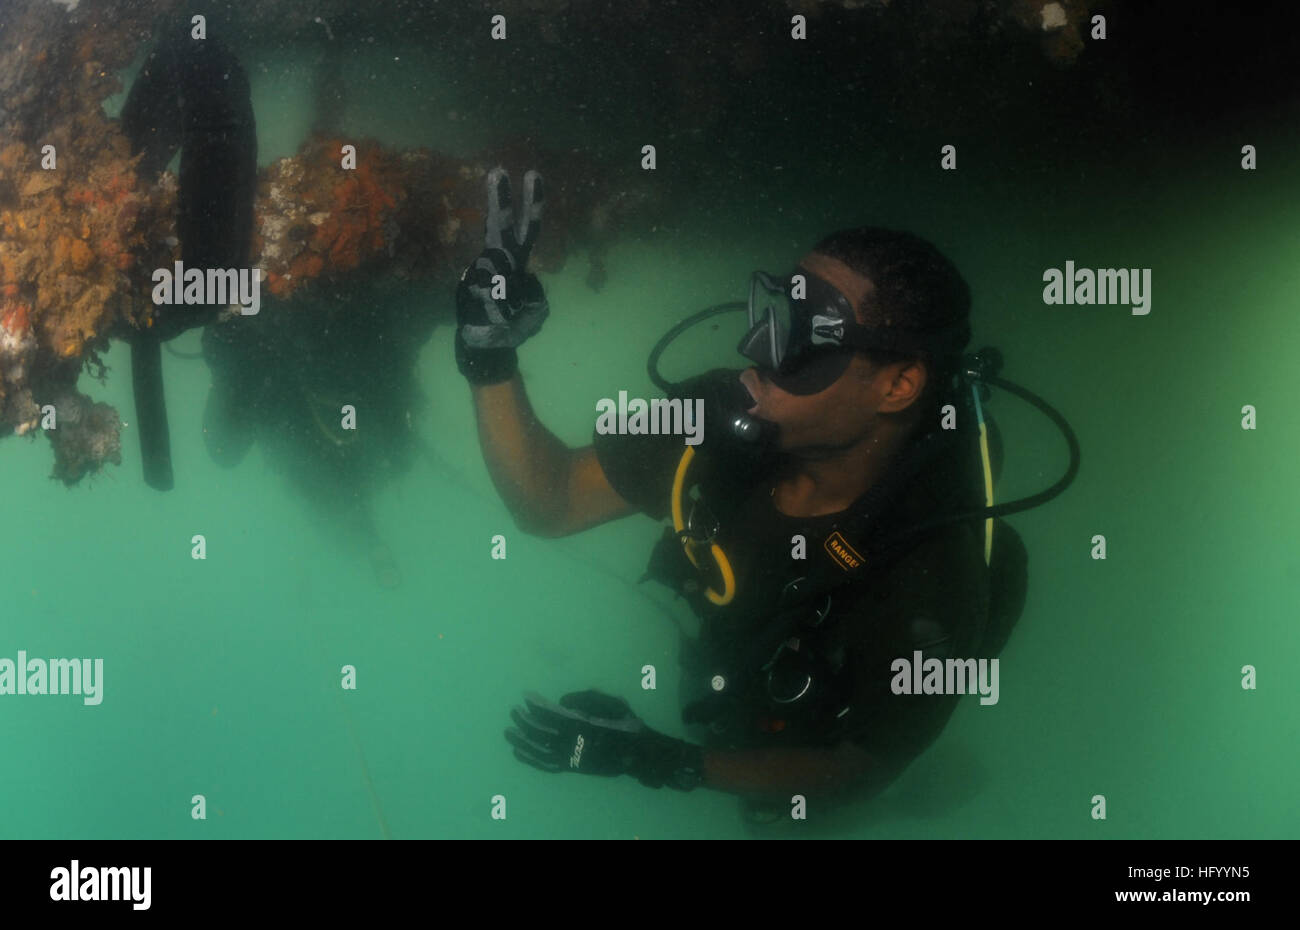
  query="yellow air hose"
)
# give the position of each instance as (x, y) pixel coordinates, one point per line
(988, 475)
(690, 545)
(314, 404)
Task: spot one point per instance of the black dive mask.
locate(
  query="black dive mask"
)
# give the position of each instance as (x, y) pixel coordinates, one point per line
(802, 332)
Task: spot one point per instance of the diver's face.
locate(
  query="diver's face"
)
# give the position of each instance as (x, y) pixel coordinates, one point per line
(845, 413)
(836, 418)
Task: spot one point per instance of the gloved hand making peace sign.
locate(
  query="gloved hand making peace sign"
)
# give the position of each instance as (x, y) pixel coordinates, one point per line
(498, 303)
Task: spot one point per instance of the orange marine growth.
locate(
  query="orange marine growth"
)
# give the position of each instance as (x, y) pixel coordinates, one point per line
(16, 317)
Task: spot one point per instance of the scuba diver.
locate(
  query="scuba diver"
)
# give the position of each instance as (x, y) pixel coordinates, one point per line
(285, 378)
(834, 518)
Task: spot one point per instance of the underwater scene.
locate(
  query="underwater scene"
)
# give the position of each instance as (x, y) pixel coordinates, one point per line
(572, 419)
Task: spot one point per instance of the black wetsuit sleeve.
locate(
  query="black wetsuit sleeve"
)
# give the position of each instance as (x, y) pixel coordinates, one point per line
(640, 468)
(934, 601)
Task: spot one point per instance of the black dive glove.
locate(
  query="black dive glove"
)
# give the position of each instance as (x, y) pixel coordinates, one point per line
(597, 734)
(490, 326)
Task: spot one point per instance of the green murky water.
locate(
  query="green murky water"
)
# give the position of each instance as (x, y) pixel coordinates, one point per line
(1123, 678)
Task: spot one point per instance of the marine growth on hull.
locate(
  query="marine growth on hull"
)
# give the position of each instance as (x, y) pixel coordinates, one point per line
(89, 213)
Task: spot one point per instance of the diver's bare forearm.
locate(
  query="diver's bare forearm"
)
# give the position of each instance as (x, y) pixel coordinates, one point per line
(528, 464)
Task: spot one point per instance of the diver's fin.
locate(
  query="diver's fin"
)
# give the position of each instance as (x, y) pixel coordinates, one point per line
(218, 181)
(193, 96)
(151, 116)
(227, 435)
(151, 410)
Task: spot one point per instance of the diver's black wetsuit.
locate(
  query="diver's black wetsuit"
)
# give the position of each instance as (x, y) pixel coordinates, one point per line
(932, 596)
